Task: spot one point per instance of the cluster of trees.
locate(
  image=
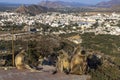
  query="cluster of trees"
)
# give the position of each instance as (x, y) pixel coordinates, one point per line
(95, 25)
(108, 44)
(48, 28)
(118, 23)
(9, 27)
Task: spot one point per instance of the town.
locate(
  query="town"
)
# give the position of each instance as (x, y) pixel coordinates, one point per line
(57, 23)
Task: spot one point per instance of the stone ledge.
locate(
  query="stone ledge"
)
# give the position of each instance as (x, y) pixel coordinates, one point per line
(14, 74)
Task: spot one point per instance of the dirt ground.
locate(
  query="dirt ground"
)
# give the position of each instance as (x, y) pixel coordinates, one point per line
(14, 74)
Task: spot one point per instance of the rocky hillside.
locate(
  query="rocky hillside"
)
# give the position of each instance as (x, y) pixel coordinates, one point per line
(116, 8)
(61, 4)
(109, 3)
(108, 6)
(32, 9)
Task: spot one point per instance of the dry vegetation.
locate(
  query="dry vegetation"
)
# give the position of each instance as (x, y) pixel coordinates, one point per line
(106, 45)
(109, 45)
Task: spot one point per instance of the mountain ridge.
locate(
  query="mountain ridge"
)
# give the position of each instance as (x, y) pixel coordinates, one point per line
(108, 3)
(31, 9)
(61, 4)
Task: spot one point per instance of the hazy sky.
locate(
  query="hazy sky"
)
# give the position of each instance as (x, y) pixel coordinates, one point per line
(37, 1)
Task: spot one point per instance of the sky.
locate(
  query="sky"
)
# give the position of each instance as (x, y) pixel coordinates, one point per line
(38, 1)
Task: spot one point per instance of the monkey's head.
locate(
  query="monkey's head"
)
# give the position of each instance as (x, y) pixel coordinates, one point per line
(83, 52)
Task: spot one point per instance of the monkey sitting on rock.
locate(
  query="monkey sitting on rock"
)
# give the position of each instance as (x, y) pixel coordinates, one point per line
(20, 62)
(63, 62)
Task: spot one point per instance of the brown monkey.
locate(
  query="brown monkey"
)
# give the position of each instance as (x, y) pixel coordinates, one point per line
(79, 62)
(63, 64)
(20, 62)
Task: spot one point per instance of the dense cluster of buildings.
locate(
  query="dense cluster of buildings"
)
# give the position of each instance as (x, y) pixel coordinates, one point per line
(62, 23)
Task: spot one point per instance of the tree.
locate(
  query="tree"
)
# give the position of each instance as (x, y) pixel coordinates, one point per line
(95, 25)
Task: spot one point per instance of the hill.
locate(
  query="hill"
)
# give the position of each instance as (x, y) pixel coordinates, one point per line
(61, 4)
(109, 46)
(67, 7)
(108, 3)
(108, 6)
(116, 8)
(37, 9)
(31, 9)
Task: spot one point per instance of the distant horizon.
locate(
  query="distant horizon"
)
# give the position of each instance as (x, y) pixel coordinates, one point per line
(92, 2)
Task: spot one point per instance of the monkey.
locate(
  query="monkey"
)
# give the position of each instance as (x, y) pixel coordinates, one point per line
(63, 64)
(20, 60)
(78, 62)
